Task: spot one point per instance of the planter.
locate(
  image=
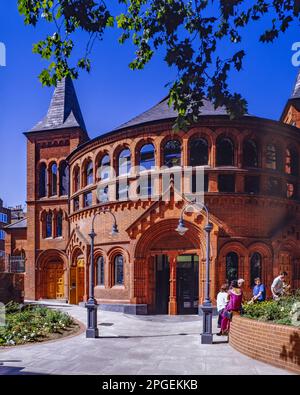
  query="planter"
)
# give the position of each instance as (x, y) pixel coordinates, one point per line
(278, 345)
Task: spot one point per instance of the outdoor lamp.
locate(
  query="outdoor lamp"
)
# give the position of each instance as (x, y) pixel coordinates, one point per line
(114, 230)
(181, 229)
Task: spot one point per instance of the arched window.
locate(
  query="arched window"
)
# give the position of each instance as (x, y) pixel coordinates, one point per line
(124, 162)
(100, 271)
(89, 176)
(232, 266)
(43, 180)
(250, 154)
(59, 224)
(198, 152)
(225, 152)
(147, 159)
(48, 230)
(63, 179)
(104, 168)
(291, 161)
(255, 267)
(53, 171)
(76, 179)
(271, 157)
(119, 270)
(172, 153)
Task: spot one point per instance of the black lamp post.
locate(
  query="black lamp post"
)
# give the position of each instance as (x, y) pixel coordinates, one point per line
(91, 305)
(206, 335)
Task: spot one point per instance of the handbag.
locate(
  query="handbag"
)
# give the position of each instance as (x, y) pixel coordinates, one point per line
(228, 314)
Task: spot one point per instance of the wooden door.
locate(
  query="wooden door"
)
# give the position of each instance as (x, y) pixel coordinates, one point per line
(80, 284)
(72, 297)
(51, 283)
(54, 278)
(76, 291)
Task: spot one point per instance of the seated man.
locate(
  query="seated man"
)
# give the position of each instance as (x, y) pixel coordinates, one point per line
(259, 291)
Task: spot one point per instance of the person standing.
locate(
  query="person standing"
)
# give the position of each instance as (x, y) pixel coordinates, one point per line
(259, 291)
(277, 287)
(222, 300)
(234, 306)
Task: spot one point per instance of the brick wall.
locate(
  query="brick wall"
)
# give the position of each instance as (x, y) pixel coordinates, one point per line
(11, 287)
(277, 345)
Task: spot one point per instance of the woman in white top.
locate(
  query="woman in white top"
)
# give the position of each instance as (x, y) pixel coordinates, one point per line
(222, 300)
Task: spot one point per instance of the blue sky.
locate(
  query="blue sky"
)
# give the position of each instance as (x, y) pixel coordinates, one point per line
(112, 94)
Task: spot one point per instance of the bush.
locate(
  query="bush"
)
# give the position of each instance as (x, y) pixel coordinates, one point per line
(279, 312)
(31, 323)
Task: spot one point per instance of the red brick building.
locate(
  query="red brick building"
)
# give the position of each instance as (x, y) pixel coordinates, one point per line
(251, 184)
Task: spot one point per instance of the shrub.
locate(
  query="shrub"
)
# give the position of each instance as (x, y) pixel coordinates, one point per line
(30, 323)
(279, 312)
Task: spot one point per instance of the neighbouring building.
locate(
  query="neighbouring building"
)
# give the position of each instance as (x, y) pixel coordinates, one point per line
(17, 213)
(4, 220)
(251, 183)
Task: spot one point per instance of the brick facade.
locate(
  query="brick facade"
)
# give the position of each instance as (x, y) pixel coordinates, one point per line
(277, 345)
(263, 221)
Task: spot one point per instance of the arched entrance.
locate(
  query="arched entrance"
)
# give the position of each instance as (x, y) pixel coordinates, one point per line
(52, 267)
(76, 292)
(173, 268)
(187, 283)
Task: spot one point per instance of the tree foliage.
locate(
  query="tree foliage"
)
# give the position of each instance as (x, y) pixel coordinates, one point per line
(191, 34)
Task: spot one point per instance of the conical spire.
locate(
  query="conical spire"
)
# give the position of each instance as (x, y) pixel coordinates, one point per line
(296, 92)
(64, 110)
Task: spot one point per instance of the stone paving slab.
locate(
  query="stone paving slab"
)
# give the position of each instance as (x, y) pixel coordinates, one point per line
(132, 345)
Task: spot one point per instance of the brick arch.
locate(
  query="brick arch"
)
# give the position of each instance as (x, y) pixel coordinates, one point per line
(266, 253)
(164, 230)
(112, 253)
(76, 252)
(51, 267)
(138, 146)
(262, 248)
(115, 155)
(98, 156)
(44, 256)
(240, 250)
(251, 135)
(170, 137)
(200, 132)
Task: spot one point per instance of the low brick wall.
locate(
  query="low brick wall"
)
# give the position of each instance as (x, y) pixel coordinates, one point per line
(11, 287)
(278, 345)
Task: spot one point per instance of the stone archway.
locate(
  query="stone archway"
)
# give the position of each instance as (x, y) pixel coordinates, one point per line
(52, 266)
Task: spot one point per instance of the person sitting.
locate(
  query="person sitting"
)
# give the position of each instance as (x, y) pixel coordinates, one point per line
(222, 300)
(259, 291)
(278, 286)
(233, 306)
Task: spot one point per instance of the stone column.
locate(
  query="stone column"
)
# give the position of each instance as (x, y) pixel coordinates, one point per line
(173, 290)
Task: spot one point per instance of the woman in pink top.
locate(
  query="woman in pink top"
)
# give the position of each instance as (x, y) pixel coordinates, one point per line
(235, 296)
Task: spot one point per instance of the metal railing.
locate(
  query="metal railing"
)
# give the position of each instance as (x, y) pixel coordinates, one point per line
(12, 263)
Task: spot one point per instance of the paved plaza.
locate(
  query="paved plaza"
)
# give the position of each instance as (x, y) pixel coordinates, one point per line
(132, 345)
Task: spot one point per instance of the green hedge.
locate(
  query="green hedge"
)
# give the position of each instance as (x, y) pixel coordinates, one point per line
(31, 323)
(285, 311)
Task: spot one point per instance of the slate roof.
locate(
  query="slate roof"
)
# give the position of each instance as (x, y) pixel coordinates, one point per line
(162, 111)
(21, 224)
(294, 99)
(64, 110)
